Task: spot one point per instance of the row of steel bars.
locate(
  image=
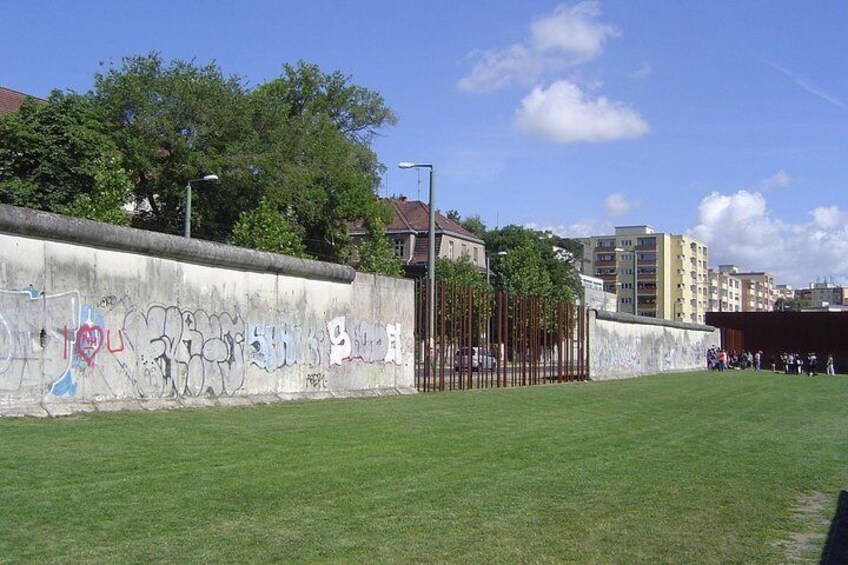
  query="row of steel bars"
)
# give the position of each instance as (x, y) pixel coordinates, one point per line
(520, 332)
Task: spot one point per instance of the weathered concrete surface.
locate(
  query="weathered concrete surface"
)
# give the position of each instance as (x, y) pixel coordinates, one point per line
(623, 345)
(92, 315)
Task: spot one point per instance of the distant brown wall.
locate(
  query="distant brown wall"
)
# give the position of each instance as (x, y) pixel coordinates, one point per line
(799, 332)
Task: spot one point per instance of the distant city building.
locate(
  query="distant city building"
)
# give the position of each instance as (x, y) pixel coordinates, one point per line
(757, 289)
(725, 292)
(409, 233)
(823, 294)
(594, 295)
(653, 274)
(784, 291)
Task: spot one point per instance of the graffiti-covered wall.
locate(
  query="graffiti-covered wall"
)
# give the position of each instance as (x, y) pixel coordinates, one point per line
(98, 316)
(623, 346)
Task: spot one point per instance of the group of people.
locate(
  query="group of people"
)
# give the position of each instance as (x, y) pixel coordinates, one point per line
(797, 364)
(792, 363)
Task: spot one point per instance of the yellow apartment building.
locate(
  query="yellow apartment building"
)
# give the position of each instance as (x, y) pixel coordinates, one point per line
(653, 274)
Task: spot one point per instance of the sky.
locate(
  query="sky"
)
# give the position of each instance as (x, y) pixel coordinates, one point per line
(723, 120)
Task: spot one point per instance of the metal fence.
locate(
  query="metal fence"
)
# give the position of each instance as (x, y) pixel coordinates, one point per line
(485, 339)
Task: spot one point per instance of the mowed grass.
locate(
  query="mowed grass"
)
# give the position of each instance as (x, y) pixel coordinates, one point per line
(686, 468)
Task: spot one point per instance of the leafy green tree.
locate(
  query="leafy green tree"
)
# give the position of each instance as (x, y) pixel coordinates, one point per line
(300, 143)
(173, 122)
(529, 265)
(266, 229)
(59, 157)
(475, 225)
(313, 133)
(461, 272)
(376, 255)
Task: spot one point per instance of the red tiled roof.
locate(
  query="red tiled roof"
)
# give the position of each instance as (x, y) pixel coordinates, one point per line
(414, 216)
(11, 100)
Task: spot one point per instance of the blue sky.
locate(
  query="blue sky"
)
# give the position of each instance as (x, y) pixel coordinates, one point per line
(724, 120)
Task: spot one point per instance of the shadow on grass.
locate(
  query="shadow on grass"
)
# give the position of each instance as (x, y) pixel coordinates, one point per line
(836, 547)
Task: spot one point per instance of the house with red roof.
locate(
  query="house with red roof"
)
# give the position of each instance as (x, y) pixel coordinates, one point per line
(409, 233)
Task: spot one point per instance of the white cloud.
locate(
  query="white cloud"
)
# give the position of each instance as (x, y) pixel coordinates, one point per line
(497, 69)
(562, 114)
(570, 36)
(778, 180)
(616, 204)
(582, 228)
(740, 229)
(572, 31)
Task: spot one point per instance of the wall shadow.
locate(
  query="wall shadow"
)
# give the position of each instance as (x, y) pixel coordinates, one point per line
(835, 549)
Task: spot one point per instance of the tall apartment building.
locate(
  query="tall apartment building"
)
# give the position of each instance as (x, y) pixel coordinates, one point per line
(659, 275)
(758, 290)
(725, 292)
(822, 294)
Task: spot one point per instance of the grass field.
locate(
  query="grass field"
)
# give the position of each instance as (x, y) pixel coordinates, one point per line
(694, 468)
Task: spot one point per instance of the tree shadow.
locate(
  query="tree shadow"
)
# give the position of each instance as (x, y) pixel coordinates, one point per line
(835, 549)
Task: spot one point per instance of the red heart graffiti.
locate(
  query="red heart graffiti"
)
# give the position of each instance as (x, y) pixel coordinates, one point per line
(89, 342)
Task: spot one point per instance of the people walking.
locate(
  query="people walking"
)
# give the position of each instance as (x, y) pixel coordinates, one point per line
(831, 369)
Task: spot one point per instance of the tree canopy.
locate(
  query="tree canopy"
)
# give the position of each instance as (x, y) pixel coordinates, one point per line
(294, 151)
(524, 261)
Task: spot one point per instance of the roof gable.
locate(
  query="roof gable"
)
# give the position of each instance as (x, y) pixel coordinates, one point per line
(11, 100)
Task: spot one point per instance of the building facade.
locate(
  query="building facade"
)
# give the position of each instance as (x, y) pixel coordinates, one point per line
(653, 274)
(822, 294)
(725, 292)
(758, 289)
(409, 233)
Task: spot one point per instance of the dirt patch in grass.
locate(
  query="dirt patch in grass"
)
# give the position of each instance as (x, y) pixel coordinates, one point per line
(810, 512)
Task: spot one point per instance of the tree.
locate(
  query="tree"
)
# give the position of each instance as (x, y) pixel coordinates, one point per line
(461, 272)
(300, 143)
(173, 122)
(529, 265)
(475, 225)
(376, 253)
(59, 157)
(294, 151)
(266, 229)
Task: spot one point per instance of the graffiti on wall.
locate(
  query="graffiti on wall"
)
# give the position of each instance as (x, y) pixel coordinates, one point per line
(32, 329)
(274, 345)
(117, 349)
(185, 352)
(628, 350)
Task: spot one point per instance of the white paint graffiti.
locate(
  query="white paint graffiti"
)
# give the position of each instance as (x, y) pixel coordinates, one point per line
(273, 346)
(185, 353)
(33, 348)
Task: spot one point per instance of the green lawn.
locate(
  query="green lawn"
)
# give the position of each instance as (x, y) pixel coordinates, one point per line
(694, 468)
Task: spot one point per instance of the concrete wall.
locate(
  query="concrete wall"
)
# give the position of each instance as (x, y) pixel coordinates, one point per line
(99, 317)
(623, 345)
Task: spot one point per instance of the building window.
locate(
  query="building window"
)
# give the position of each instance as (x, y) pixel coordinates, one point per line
(450, 250)
(399, 247)
(475, 254)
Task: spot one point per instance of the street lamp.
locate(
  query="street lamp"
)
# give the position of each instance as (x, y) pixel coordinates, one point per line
(431, 257)
(188, 201)
(635, 276)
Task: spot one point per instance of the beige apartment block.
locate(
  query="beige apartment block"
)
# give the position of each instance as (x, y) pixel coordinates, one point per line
(653, 274)
(758, 289)
(725, 292)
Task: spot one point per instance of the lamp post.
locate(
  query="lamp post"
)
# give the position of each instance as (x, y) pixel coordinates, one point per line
(187, 232)
(431, 261)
